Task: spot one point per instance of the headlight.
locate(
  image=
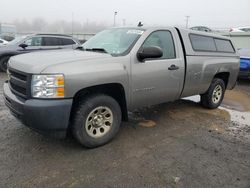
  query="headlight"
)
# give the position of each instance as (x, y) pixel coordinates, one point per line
(47, 86)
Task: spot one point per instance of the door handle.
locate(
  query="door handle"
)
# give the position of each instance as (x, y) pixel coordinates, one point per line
(173, 67)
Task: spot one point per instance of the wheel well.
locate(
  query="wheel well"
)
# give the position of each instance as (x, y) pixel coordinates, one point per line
(224, 76)
(5, 55)
(114, 90)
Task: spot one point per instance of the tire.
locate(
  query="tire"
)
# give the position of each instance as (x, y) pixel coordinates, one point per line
(3, 63)
(213, 97)
(96, 120)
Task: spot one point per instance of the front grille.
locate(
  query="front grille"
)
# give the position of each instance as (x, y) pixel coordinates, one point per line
(18, 82)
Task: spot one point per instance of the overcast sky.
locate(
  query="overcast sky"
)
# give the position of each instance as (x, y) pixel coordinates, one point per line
(213, 13)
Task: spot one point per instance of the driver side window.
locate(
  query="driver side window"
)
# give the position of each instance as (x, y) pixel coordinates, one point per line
(164, 40)
(34, 41)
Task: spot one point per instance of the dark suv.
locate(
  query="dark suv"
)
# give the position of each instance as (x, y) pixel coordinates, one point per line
(35, 42)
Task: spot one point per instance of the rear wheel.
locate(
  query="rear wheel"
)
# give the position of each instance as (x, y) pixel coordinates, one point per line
(96, 120)
(215, 94)
(3, 63)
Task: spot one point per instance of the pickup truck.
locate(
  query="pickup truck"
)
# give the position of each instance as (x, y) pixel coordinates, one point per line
(89, 91)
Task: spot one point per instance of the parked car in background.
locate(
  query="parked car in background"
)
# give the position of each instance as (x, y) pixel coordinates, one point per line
(244, 63)
(89, 90)
(35, 42)
(3, 42)
(240, 29)
(201, 28)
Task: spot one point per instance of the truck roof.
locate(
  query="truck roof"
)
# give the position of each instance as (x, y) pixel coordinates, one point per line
(183, 30)
(187, 42)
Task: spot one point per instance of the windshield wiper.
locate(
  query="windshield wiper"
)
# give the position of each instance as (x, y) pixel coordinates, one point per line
(102, 50)
(79, 48)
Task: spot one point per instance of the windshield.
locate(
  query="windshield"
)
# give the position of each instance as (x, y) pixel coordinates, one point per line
(17, 40)
(115, 41)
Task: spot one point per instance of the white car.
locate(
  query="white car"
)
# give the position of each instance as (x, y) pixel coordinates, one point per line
(240, 29)
(3, 42)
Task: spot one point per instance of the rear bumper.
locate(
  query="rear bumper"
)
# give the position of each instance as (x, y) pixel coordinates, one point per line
(50, 117)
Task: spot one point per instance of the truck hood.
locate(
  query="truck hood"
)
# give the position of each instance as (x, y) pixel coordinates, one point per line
(38, 61)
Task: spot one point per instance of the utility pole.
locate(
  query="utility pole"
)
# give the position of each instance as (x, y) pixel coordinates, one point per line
(187, 19)
(72, 22)
(115, 13)
(124, 22)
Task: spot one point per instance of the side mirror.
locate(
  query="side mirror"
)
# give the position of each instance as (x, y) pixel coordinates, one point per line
(23, 45)
(149, 52)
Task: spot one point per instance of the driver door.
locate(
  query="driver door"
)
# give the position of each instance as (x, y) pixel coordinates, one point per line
(158, 80)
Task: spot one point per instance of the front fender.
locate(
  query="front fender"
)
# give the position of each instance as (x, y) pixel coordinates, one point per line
(83, 74)
(106, 75)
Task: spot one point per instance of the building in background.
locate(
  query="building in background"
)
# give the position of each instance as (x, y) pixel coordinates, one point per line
(7, 31)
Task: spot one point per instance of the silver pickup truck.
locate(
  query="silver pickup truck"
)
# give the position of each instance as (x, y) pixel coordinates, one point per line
(90, 90)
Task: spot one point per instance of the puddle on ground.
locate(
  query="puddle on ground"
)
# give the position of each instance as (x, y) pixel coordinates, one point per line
(237, 118)
(233, 99)
(239, 110)
(194, 98)
(236, 100)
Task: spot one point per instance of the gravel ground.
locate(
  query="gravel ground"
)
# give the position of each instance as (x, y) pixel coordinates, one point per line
(178, 144)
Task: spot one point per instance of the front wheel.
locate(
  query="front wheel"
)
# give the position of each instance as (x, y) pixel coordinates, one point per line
(215, 94)
(3, 63)
(96, 120)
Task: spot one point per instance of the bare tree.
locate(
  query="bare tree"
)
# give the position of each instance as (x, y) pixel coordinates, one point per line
(38, 25)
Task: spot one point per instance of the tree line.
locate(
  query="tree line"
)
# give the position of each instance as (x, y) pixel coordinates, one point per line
(60, 26)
